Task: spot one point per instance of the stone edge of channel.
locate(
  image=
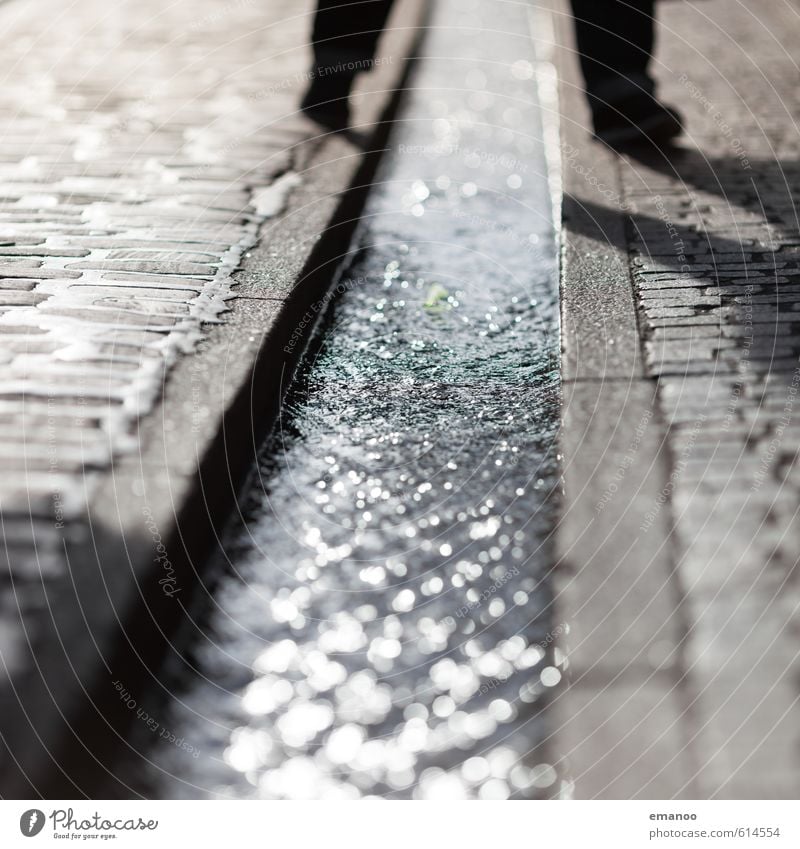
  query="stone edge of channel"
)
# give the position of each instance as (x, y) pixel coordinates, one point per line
(621, 722)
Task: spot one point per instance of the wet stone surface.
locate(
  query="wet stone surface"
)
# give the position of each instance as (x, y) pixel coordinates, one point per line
(384, 626)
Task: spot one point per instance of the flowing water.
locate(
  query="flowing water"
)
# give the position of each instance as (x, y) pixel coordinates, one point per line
(385, 626)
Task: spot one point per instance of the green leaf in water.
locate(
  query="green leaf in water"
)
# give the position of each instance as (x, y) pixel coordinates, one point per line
(437, 297)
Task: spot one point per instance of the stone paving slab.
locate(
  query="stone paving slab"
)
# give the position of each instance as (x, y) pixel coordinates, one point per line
(148, 153)
(709, 257)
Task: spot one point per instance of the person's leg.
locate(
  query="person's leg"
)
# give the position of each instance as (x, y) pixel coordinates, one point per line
(344, 37)
(346, 32)
(615, 42)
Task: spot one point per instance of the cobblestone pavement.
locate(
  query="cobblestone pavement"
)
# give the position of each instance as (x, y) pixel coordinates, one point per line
(712, 245)
(722, 332)
(137, 145)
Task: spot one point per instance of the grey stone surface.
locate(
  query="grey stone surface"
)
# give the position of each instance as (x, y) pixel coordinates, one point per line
(620, 589)
(711, 236)
(599, 337)
(626, 742)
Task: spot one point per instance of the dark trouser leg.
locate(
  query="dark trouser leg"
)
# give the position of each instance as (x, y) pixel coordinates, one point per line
(615, 41)
(345, 35)
(346, 32)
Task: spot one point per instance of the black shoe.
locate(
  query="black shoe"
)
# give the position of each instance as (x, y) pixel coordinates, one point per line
(327, 100)
(637, 122)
